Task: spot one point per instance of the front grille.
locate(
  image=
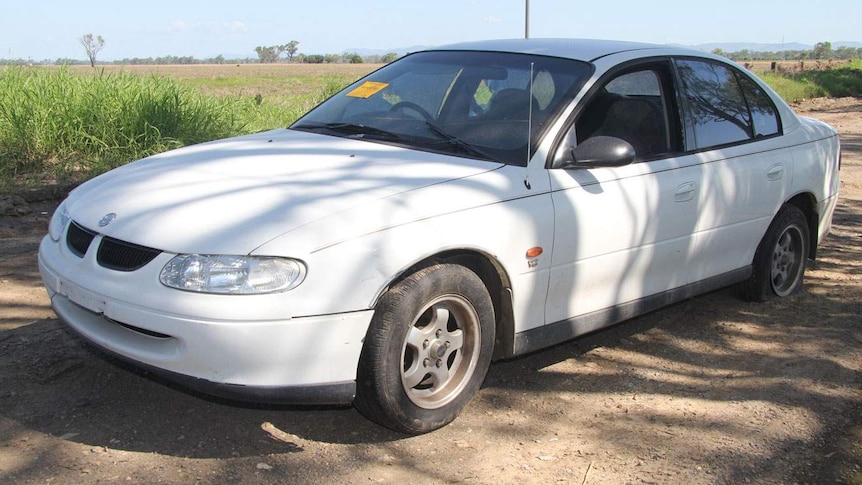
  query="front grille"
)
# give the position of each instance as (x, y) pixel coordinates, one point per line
(113, 253)
(78, 239)
(122, 256)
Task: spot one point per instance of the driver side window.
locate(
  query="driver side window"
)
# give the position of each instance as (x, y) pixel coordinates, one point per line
(632, 107)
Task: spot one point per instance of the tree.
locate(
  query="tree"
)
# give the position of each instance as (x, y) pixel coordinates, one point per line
(822, 50)
(268, 54)
(352, 58)
(389, 57)
(271, 53)
(846, 52)
(92, 45)
(291, 48)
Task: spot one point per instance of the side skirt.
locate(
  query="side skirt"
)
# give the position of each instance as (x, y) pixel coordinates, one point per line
(554, 333)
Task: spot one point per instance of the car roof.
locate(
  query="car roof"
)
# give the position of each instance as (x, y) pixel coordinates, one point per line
(578, 49)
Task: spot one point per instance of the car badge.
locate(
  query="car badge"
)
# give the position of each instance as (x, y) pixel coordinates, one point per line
(107, 219)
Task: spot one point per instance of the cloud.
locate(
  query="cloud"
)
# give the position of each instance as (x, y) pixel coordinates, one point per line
(493, 19)
(180, 25)
(237, 27)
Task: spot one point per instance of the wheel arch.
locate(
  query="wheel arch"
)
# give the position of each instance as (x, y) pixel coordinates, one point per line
(496, 280)
(807, 203)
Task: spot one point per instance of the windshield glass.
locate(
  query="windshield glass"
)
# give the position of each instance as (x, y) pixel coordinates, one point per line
(472, 104)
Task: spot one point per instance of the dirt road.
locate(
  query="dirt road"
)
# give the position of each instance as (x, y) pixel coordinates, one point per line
(712, 390)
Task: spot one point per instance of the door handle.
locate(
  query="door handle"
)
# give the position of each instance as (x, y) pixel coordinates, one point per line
(775, 172)
(685, 192)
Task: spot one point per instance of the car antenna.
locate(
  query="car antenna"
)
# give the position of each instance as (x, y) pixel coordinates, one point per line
(529, 131)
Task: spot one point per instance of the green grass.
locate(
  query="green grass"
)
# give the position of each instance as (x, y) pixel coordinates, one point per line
(57, 125)
(845, 80)
(282, 106)
(282, 99)
(792, 90)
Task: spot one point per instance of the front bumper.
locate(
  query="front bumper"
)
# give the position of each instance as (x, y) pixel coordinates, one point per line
(300, 360)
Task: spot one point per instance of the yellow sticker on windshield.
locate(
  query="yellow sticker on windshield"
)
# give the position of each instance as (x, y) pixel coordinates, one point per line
(367, 89)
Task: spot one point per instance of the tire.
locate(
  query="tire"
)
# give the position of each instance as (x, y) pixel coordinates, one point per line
(779, 262)
(427, 350)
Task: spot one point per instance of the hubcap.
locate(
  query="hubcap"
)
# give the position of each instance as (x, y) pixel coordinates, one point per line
(440, 352)
(787, 261)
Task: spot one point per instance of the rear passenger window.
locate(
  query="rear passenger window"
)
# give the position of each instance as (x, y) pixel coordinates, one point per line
(716, 107)
(723, 106)
(763, 113)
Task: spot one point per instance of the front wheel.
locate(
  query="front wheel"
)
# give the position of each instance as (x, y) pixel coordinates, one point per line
(779, 262)
(427, 350)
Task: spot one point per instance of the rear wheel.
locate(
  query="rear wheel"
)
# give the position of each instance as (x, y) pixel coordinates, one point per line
(427, 350)
(779, 262)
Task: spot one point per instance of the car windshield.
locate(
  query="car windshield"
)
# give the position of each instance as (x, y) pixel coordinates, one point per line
(471, 104)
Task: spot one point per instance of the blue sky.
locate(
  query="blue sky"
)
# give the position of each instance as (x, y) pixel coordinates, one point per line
(49, 29)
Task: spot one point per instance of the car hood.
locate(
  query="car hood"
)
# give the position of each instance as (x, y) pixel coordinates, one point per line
(233, 195)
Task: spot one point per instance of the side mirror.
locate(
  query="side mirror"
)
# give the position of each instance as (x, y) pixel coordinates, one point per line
(596, 151)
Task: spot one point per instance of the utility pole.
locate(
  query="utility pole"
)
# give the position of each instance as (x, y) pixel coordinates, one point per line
(527, 20)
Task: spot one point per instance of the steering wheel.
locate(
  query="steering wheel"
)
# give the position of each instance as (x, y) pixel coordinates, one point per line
(404, 105)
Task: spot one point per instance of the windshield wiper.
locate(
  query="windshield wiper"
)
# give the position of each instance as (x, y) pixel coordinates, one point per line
(351, 129)
(462, 145)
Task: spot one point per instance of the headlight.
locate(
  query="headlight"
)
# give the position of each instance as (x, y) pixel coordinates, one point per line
(58, 222)
(234, 275)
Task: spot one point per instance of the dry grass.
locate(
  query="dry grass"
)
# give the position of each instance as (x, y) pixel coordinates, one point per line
(245, 79)
(791, 65)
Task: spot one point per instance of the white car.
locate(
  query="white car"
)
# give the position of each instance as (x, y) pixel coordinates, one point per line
(462, 204)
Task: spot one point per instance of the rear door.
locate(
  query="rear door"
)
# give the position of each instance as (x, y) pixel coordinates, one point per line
(733, 127)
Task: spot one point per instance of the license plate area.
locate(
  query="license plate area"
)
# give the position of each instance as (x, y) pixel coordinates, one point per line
(82, 297)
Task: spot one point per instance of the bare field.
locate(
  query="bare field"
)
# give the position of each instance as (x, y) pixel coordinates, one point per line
(710, 391)
(197, 71)
(791, 65)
